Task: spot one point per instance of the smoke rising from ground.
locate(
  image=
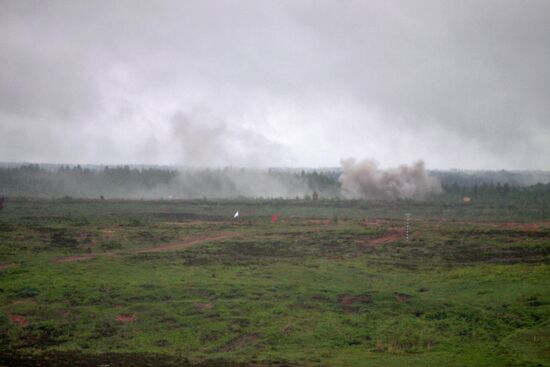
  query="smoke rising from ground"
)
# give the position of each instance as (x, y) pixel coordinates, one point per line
(124, 182)
(365, 180)
(353, 180)
(238, 182)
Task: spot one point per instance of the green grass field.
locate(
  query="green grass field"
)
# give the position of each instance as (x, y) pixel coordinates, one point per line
(332, 283)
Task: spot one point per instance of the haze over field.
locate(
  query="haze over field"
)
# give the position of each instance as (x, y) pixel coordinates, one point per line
(461, 84)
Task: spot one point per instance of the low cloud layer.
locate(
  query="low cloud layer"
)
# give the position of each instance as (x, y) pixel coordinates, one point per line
(463, 84)
(365, 180)
(206, 140)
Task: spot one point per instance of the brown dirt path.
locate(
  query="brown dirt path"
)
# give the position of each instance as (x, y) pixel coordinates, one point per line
(204, 306)
(186, 243)
(126, 317)
(392, 235)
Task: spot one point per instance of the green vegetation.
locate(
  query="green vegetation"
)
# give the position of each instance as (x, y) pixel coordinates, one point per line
(331, 283)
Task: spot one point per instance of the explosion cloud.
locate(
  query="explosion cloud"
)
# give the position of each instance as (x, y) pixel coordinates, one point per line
(365, 180)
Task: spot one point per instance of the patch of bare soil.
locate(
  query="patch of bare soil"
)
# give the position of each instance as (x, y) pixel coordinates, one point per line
(24, 301)
(348, 299)
(108, 233)
(367, 222)
(126, 317)
(349, 302)
(7, 266)
(189, 242)
(86, 239)
(204, 306)
(521, 226)
(18, 320)
(402, 297)
(345, 299)
(392, 235)
(239, 342)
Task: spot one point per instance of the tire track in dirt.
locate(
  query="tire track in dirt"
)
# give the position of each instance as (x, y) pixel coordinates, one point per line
(183, 244)
(188, 243)
(392, 235)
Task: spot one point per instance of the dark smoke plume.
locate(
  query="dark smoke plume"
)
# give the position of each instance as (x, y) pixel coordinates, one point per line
(364, 180)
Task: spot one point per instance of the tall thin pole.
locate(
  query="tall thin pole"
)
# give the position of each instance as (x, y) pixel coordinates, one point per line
(407, 216)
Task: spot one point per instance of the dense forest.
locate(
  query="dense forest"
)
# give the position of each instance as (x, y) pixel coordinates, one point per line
(477, 178)
(158, 182)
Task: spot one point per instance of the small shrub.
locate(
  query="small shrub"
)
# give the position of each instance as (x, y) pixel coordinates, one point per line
(405, 335)
(162, 343)
(27, 292)
(111, 245)
(3, 318)
(61, 238)
(45, 334)
(135, 223)
(105, 329)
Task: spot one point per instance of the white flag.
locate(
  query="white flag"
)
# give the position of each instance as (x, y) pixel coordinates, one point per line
(236, 215)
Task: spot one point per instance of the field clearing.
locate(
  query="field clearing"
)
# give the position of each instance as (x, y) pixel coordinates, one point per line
(331, 283)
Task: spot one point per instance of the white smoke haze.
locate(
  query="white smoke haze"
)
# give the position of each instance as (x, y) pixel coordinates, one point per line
(354, 180)
(239, 182)
(365, 180)
(207, 140)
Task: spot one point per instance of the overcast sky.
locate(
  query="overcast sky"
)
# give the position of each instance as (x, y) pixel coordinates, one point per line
(459, 84)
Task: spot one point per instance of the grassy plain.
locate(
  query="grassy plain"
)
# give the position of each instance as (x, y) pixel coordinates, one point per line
(331, 283)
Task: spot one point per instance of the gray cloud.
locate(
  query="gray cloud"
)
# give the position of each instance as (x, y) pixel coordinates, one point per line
(206, 140)
(459, 83)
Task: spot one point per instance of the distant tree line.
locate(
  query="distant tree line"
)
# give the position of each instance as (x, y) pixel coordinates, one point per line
(129, 182)
(538, 193)
(499, 187)
(32, 180)
(477, 178)
(152, 183)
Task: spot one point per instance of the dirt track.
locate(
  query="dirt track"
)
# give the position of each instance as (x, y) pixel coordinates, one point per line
(188, 242)
(393, 235)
